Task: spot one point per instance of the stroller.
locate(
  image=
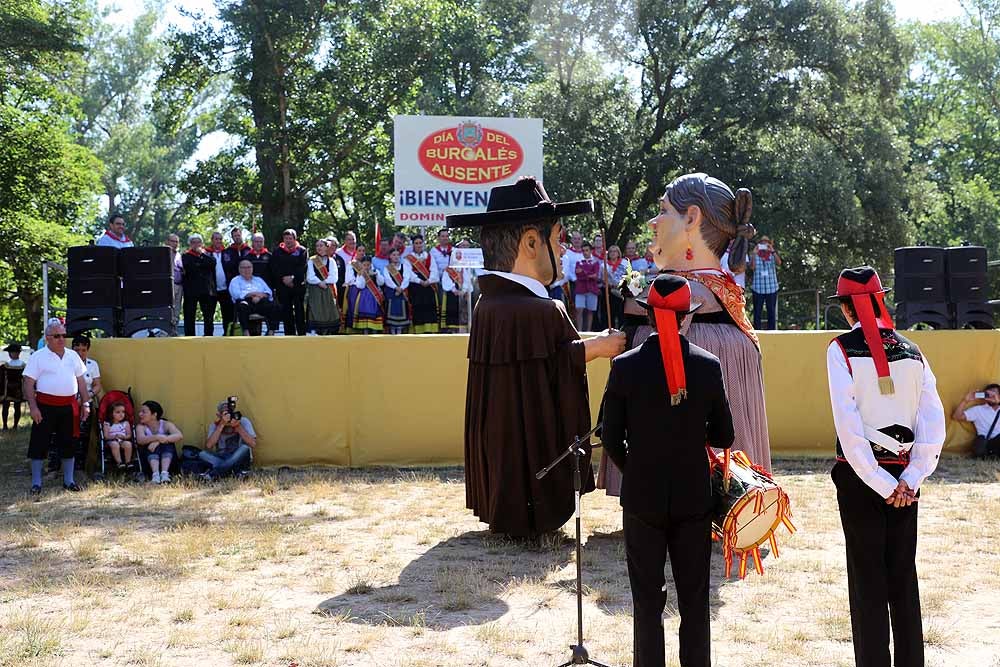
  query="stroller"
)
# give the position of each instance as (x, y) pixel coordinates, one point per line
(103, 410)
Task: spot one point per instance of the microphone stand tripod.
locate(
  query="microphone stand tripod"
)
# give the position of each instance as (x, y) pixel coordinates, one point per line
(580, 656)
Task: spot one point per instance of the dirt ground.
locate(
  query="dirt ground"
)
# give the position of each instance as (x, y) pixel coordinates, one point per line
(326, 567)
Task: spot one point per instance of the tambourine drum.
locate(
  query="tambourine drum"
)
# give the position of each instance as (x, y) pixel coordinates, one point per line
(10, 384)
(749, 513)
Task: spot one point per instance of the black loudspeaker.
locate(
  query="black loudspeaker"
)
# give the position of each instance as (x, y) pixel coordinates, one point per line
(147, 319)
(100, 292)
(968, 288)
(92, 319)
(926, 289)
(92, 261)
(966, 260)
(919, 261)
(138, 263)
(973, 315)
(148, 292)
(936, 315)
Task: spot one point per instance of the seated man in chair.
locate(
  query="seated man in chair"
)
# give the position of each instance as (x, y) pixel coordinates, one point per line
(231, 439)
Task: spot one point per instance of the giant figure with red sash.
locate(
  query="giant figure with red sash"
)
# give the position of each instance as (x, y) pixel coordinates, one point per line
(423, 288)
(56, 391)
(890, 430)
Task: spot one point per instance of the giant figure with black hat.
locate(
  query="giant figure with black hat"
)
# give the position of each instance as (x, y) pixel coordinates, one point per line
(890, 429)
(527, 395)
(664, 401)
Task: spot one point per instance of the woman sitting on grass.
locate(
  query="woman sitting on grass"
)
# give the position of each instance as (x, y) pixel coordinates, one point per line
(159, 437)
(118, 436)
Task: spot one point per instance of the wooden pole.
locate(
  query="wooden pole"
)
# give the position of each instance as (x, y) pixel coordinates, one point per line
(607, 278)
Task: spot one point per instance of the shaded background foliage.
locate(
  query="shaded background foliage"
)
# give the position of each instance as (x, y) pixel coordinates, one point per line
(855, 133)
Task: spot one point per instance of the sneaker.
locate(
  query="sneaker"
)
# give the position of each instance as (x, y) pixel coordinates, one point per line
(72, 487)
(164, 477)
(156, 478)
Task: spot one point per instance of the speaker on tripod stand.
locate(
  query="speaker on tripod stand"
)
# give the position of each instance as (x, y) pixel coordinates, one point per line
(148, 290)
(93, 290)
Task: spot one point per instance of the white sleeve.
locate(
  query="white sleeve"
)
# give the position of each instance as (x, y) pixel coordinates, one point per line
(928, 436)
(311, 276)
(97, 371)
(265, 287)
(359, 281)
(378, 280)
(31, 368)
(435, 274)
(334, 275)
(348, 273)
(850, 429)
(407, 275)
(447, 284)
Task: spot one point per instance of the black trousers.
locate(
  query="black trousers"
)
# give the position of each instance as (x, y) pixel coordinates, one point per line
(648, 540)
(55, 430)
(6, 412)
(226, 306)
(207, 304)
(293, 308)
(265, 307)
(881, 572)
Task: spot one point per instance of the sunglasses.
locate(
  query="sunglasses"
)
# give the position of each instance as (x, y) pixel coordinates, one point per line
(57, 335)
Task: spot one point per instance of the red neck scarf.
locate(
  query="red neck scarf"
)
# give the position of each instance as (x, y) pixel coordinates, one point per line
(445, 250)
(295, 246)
(598, 255)
(191, 252)
(256, 253)
(632, 258)
(215, 249)
(123, 239)
(382, 255)
(614, 265)
(238, 248)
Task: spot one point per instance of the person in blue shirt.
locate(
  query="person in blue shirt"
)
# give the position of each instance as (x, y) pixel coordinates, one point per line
(252, 296)
(764, 262)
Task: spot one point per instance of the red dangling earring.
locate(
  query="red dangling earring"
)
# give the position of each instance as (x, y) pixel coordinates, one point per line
(689, 254)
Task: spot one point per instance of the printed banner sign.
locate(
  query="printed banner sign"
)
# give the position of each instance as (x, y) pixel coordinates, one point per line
(448, 164)
(466, 258)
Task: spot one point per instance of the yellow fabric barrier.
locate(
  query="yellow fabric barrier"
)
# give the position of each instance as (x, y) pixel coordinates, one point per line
(400, 400)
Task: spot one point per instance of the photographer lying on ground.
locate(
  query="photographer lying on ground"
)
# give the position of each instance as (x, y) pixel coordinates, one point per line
(230, 440)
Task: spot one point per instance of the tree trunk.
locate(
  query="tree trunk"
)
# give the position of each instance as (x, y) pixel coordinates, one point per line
(33, 314)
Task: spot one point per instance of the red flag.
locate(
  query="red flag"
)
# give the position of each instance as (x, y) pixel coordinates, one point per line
(378, 237)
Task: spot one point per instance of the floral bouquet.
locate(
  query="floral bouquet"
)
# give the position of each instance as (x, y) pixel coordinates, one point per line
(633, 282)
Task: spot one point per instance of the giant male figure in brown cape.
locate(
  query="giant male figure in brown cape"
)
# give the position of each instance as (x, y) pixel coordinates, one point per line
(527, 391)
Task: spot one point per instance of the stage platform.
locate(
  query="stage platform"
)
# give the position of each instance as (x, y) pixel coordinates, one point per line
(400, 400)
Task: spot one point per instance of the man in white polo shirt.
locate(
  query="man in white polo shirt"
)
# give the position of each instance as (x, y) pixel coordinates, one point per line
(985, 417)
(57, 396)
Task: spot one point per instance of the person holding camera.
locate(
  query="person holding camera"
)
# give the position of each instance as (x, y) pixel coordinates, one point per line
(985, 416)
(764, 262)
(230, 440)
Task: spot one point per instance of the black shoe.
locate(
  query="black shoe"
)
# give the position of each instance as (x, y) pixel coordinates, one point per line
(72, 487)
(35, 490)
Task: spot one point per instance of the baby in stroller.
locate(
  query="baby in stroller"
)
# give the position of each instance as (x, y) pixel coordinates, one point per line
(118, 435)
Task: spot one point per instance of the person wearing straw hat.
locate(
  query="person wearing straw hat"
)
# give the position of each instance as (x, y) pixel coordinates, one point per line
(666, 400)
(527, 385)
(890, 429)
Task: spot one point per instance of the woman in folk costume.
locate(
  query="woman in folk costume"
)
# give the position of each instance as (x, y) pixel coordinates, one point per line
(368, 300)
(699, 216)
(351, 271)
(456, 286)
(321, 292)
(396, 279)
(423, 288)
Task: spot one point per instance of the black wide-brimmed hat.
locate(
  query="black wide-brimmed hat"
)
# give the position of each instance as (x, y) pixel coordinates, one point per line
(520, 203)
(669, 292)
(13, 347)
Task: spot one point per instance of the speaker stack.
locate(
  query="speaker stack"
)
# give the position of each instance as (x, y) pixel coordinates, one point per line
(93, 291)
(119, 292)
(944, 288)
(147, 292)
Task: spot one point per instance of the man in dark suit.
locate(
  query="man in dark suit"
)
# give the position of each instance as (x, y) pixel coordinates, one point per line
(664, 402)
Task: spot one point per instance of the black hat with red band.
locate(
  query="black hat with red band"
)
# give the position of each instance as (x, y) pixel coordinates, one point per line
(861, 284)
(670, 296)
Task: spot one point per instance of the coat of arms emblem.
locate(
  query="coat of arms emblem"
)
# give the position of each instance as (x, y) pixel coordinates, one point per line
(469, 134)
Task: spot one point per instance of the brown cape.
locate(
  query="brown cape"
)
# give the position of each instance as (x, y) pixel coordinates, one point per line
(526, 400)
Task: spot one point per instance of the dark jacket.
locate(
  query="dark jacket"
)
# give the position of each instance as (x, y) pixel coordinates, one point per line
(289, 264)
(199, 274)
(341, 272)
(262, 267)
(664, 465)
(231, 258)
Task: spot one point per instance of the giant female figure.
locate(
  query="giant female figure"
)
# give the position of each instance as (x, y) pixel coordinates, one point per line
(699, 216)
